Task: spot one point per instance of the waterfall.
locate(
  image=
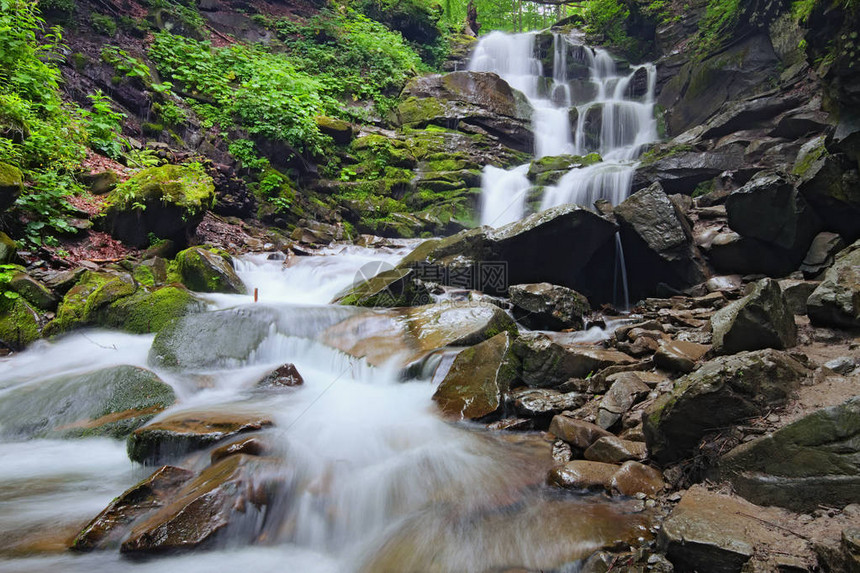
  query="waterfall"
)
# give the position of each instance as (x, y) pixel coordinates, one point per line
(610, 118)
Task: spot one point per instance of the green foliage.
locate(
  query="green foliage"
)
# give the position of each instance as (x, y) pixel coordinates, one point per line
(126, 64)
(7, 272)
(45, 207)
(104, 126)
(353, 57)
(251, 87)
(802, 9)
(245, 151)
(103, 24)
(721, 17)
(608, 18)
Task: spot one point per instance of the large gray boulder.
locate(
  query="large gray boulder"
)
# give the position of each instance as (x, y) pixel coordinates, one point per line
(770, 209)
(812, 462)
(762, 319)
(658, 243)
(836, 301)
(722, 392)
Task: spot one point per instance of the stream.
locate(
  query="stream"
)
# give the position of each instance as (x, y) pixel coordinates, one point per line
(378, 481)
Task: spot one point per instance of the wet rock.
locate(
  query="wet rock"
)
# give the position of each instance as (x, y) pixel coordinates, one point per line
(340, 131)
(811, 462)
(108, 402)
(540, 402)
(100, 183)
(174, 199)
(633, 477)
(768, 208)
(478, 379)
(716, 533)
(284, 376)
(835, 301)
(721, 392)
(478, 100)
(796, 293)
(582, 474)
(202, 270)
(728, 283)
(528, 251)
(11, 185)
(678, 355)
(224, 496)
(822, 253)
(149, 309)
(658, 243)
(107, 528)
(251, 446)
(551, 359)
(761, 319)
(390, 288)
(183, 432)
(613, 450)
(543, 306)
(626, 391)
(577, 433)
(732, 254)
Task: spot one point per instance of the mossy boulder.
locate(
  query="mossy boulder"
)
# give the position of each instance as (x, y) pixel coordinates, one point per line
(20, 323)
(108, 402)
(34, 291)
(165, 202)
(548, 170)
(149, 309)
(544, 306)
(478, 380)
(11, 184)
(830, 183)
(339, 130)
(724, 391)
(8, 249)
(202, 270)
(94, 291)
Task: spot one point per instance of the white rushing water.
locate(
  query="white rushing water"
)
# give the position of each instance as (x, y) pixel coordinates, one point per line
(609, 120)
(377, 481)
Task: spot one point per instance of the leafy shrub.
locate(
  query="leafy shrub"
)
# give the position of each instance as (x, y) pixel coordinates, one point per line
(721, 17)
(608, 18)
(104, 126)
(103, 24)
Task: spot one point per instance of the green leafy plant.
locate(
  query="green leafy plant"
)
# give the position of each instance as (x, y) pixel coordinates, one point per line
(104, 126)
(103, 24)
(7, 272)
(126, 64)
(45, 206)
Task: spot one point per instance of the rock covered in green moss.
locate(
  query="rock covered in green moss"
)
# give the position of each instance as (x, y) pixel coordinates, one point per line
(32, 290)
(202, 270)
(166, 202)
(108, 402)
(8, 249)
(339, 130)
(94, 291)
(11, 183)
(20, 323)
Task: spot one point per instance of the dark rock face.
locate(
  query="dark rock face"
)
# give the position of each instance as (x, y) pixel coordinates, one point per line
(723, 391)
(831, 184)
(812, 462)
(286, 375)
(761, 319)
(821, 254)
(658, 243)
(527, 252)
(548, 307)
(769, 209)
(481, 102)
(682, 170)
(390, 288)
(836, 301)
(478, 379)
(701, 88)
(11, 184)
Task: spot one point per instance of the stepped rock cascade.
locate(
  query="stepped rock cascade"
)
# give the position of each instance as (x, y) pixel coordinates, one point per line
(363, 474)
(606, 112)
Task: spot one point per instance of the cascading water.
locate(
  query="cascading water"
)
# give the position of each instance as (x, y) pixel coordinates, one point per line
(378, 482)
(611, 118)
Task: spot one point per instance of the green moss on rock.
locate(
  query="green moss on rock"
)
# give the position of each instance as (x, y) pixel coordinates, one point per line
(93, 292)
(202, 270)
(19, 323)
(149, 311)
